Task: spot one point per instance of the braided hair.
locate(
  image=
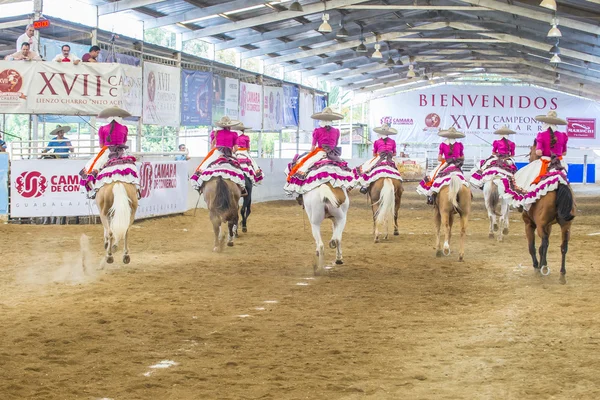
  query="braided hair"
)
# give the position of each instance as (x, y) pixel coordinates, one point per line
(112, 129)
(451, 153)
(552, 137)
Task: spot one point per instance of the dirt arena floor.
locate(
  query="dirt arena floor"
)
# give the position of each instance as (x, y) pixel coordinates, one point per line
(393, 322)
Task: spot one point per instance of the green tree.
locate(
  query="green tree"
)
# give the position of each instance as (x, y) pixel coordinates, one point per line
(226, 56)
(198, 48)
(160, 37)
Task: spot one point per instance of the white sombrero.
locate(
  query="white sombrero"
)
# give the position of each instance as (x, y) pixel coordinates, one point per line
(451, 133)
(551, 118)
(505, 130)
(241, 127)
(327, 115)
(114, 112)
(385, 130)
(59, 128)
(226, 122)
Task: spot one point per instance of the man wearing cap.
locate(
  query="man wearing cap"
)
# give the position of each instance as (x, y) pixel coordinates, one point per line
(250, 167)
(382, 164)
(60, 145)
(500, 163)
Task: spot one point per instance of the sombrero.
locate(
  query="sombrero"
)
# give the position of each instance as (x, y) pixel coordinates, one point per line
(226, 122)
(113, 112)
(59, 128)
(385, 129)
(551, 118)
(327, 115)
(241, 127)
(451, 133)
(504, 131)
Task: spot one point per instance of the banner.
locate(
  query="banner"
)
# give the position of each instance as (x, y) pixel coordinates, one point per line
(319, 103)
(67, 89)
(306, 110)
(218, 97)
(3, 183)
(232, 98)
(273, 108)
(251, 105)
(290, 105)
(196, 98)
(479, 110)
(162, 86)
(49, 188)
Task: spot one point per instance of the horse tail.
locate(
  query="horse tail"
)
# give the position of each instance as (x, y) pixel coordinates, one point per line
(564, 203)
(493, 199)
(327, 195)
(387, 200)
(454, 190)
(120, 212)
(222, 200)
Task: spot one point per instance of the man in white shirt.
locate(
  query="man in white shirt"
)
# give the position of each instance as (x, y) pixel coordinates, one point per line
(28, 37)
(24, 55)
(67, 56)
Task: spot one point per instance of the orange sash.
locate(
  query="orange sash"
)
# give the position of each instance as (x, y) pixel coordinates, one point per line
(104, 148)
(242, 149)
(210, 153)
(435, 172)
(544, 169)
(302, 162)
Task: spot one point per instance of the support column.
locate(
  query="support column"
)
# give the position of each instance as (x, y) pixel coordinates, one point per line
(138, 136)
(34, 133)
(93, 131)
(38, 6)
(280, 139)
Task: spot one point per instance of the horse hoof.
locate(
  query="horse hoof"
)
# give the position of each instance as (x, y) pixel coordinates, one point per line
(396, 233)
(110, 259)
(495, 227)
(545, 270)
(562, 279)
(376, 240)
(491, 235)
(332, 244)
(216, 249)
(439, 253)
(244, 229)
(126, 259)
(339, 262)
(230, 244)
(461, 259)
(505, 231)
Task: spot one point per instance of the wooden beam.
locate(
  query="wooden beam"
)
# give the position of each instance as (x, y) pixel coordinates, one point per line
(124, 5)
(399, 8)
(15, 24)
(447, 40)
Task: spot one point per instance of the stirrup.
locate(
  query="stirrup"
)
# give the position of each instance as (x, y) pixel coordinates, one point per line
(300, 200)
(364, 190)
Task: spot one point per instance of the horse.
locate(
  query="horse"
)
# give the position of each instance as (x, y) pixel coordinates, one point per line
(117, 202)
(454, 198)
(557, 206)
(322, 202)
(386, 196)
(245, 210)
(222, 197)
(492, 200)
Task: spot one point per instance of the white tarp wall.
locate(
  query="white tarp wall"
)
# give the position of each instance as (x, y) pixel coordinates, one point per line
(251, 105)
(162, 97)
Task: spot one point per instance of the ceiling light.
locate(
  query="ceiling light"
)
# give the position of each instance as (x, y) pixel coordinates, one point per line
(411, 72)
(390, 62)
(377, 53)
(554, 31)
(361, 47)
(555, 59)
(549, 4)
(325, 27)
(296, 6)
(399, 62)
(342, 32)
(554, 49)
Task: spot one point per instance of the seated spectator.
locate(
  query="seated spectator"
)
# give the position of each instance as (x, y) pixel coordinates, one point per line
(67, 56)
(182, 157)
(2, 145)
(60, 145)
(24, 55)
(27, 37)
(92, 55)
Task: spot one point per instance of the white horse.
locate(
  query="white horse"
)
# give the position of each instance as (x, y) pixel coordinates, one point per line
(323, 202)
(498, 221)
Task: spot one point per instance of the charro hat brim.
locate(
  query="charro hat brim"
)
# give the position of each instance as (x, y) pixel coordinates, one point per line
(113, 112)
(551, 120)
(451, 134)
(385, 131)
(59, 128)
(327, 115)
(504, 131)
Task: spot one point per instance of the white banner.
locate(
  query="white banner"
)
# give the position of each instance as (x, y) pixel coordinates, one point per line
(251, 105)
(162, 87)
(478, 111)
(232, 98)
(273, 108)
(64, 88)
(306, 110)
(47, 188)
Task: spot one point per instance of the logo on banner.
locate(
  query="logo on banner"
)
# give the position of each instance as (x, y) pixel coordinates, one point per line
(432, 120)
(243, 99)
(151, 86)
(581, 128)
(396, 121)
(145, 180)
(31, 184)
(10, 81)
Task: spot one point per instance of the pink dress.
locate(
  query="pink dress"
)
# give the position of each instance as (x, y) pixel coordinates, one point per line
(380, 166)
(504, 147)
(326, 137)
(544, 143)
(243, 141)
(452, 151)
(497, 166)
(386, 145)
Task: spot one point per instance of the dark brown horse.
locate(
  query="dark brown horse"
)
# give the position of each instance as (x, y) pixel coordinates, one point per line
(222, 198)
(557, 207)
(386, 196)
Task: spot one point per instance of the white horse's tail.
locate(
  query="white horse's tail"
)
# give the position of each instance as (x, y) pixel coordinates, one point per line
(492, 197)
(120, 212)
(387, 200)
(454, 190)
(327, 195)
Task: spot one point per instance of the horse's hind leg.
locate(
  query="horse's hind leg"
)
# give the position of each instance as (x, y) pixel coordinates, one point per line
(126, 258)
(216, 223)
(232, 226)
(336, 239)
(530, 233)
(464, 220)
(564, 248)
(396, 208)
(544, 233)
(438, 226)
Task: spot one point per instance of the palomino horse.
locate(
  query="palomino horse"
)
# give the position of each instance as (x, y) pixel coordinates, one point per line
(246, 205)
(322, 202)
(222, 198)
(454, 198)
(386, 196)
(498, 220)
(117, 202)
(555, 207)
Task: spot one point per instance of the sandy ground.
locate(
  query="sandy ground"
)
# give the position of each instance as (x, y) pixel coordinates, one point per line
(393, 322)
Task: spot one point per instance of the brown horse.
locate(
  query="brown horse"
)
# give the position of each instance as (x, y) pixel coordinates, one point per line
(454, 198)
(117, 203)
(386, 196)
(555, 207)
(222, 197)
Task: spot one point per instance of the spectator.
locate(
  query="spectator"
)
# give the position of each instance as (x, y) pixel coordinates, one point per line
(66, 55)
(2, 145)
(24, 55)
(60, 144)
(182, 157)
(92, 55)
(27, 37)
